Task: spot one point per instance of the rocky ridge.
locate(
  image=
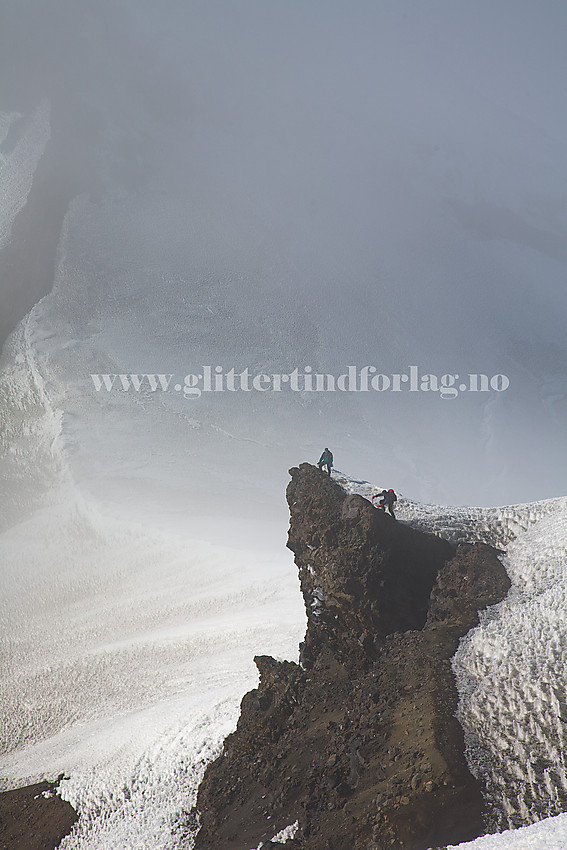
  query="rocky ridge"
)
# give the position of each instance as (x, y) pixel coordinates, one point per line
(357, 747)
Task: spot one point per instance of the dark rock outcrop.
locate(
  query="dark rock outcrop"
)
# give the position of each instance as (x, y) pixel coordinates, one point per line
(359, 744)
(34, 817)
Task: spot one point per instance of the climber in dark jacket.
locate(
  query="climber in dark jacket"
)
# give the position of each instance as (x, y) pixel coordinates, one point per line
(326, 459)
(387, 500)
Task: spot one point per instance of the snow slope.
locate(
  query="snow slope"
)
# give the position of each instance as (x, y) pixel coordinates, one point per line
(127, 654)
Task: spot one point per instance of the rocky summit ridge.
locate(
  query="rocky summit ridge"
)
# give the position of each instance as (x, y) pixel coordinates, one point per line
(357, 747)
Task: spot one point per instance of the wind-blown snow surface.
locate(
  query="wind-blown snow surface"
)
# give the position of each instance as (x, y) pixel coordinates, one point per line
(125, 651)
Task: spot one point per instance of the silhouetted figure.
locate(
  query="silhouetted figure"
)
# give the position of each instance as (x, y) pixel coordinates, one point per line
(387, 500)
(326, 459)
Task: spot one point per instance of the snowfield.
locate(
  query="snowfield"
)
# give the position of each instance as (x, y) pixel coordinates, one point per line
(125, 668)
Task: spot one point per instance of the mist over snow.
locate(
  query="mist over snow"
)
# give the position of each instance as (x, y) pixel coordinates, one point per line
(274, 186)
(282, 185)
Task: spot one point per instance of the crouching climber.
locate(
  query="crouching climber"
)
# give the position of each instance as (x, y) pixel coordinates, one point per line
(326, 459)
(387, 500)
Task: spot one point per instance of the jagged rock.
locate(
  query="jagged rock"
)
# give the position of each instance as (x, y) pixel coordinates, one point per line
(363, 575)
(359, 744)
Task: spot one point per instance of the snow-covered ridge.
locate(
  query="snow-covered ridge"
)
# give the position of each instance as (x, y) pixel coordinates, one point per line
(494, 526)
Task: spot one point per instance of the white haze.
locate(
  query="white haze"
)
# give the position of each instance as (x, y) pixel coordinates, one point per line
(272, 185)
(383, 185)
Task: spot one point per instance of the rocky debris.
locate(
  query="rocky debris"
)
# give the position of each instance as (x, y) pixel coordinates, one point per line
(34, 817)
(359, 744)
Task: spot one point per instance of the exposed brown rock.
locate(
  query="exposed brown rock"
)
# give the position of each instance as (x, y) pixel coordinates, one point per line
(363, 575)
(34, 817)
(359, 744)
